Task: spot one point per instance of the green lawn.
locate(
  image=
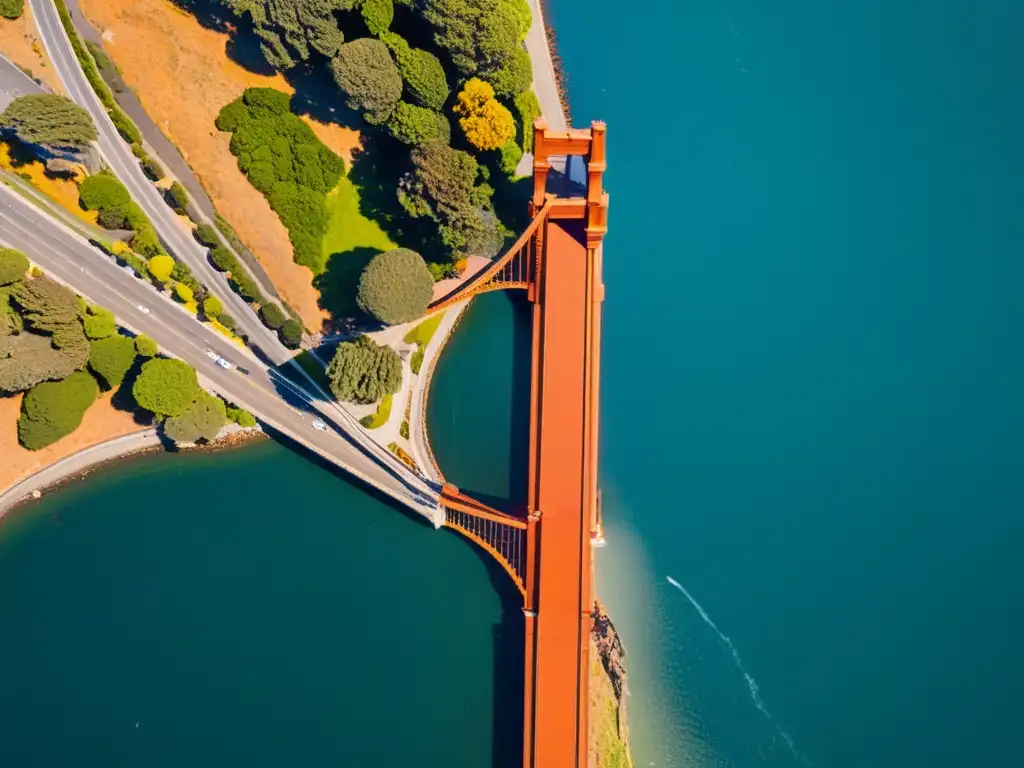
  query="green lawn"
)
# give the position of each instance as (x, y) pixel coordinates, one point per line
(347, 228)
(424, 332)
(380, 418)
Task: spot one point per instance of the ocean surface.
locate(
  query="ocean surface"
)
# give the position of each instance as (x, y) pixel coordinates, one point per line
(812, 464)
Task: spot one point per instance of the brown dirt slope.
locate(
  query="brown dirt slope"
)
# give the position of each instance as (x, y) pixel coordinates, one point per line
(101, 423)
(609, 739)
(183, 76)
(20, 43)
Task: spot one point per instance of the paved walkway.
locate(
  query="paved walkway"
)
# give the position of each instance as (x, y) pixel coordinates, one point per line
(15, 83)
(75, 463)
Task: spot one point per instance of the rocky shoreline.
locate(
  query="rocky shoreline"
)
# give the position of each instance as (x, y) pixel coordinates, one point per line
(556, 60)
(609, 733)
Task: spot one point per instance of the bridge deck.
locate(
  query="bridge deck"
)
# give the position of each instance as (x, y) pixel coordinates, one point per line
(562, 479)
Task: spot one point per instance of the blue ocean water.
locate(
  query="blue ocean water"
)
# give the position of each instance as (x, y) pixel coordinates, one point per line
(812, 414)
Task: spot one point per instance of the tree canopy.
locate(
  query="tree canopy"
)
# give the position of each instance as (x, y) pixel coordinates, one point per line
(291, 333)
(272, 315)
(486, 122)
(166, 387)
(289, 165)
(13, 266)
(479, 35)
(378, 15)
(395, 287)
(48, 307)
(145, 346)
(11, 9)
(442, 185)
(111, 359)
(49, 120)
(99, 323)
(201, 420)
(421, 71)
(161, 266)
(363, 371)
(54, 409)
(415, 125)
(365, 71)
(292, 30)
(212, 307)
(102, 191)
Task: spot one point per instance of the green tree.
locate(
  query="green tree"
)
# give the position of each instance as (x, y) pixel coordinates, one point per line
(227, 321)
(513, 75)
(291, 31)
(13, 266)
(291, 333)
(207, 234)
(48, 120)
(146, 243)
(53, 410)
(509, 156)
(272, 315)
(478, 34)
(201, 420)
(103, 192)
(415, 125)
(365, 71)
(442, 186)
(395, 287)
(48, 307)
(99, 323)
(178, 198)
(212, 306)
(11, 9)
(111, 359)
(527, 111)
(486, 122)
(362, 371)
(145, 346)
(161, 267)
(378, 15)
(421, 71)
(166, 387)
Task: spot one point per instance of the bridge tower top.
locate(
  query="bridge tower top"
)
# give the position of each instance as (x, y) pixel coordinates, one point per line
(588, 143)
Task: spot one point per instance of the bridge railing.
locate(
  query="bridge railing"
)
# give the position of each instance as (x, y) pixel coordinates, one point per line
(504, 540)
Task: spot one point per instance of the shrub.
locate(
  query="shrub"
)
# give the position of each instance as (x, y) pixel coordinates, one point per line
(146, 243)
(395, 287)
(403, 430)
(527, 110)
(183, 293)
(380, 418)
(231, 116)
(227, 321)
(99, 323)
(513, 75)
(13, 266)
(415, 125)
(11, 9)
(420, 70)
(111, 358)
(135, 218)
(201, 420)
(510, 155)
(153, 170)
(212, 307)
(166, 387)
(207, 235)
(486, 122)
(365, 71)
(417, 361)
(48, 120)
(272, 316)
(53, 410)
(128, 130)
(378, 15)
(145, 346)
(241, 417)
(362, 371)
(291, 333)
(103, 192)
(177, 197)
(161, 266)
(223, 259)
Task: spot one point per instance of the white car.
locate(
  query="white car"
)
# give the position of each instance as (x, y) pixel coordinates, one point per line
(143, 310)
(225, 364)
(319, 425)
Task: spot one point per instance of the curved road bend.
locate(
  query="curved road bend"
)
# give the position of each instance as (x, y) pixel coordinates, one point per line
(276, 401)
(118, 155)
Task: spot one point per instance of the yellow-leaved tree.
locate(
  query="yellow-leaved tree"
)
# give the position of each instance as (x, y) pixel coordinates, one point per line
(485, 121)
(161, 267)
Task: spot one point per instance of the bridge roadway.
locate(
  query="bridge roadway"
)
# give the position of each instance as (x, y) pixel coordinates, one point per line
(279, 403)
(123, 163)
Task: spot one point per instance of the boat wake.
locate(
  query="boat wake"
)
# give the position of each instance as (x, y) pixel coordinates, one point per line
(755, 692)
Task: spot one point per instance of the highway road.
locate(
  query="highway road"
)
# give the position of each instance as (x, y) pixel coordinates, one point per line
(119, 157)
(281, 405)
